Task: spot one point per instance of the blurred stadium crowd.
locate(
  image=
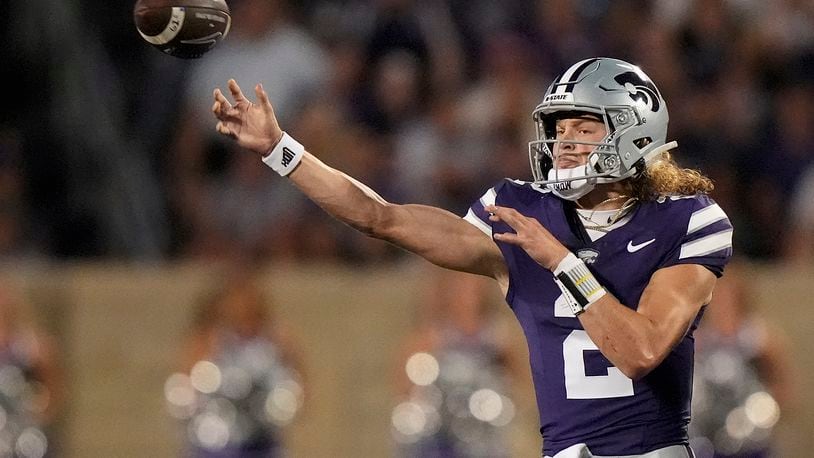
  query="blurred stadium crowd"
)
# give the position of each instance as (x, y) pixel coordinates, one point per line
(108, 149)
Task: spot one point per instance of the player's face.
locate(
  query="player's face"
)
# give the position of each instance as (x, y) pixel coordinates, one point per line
(573, 131)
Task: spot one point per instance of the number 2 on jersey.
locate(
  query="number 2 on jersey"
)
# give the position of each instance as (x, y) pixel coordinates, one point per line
(578, 385)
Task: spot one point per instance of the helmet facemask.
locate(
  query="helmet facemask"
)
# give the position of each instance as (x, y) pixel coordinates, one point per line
(615, 93)
(603, 165)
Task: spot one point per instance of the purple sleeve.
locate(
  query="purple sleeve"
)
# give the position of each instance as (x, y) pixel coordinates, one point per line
(705, 237)
(479, 217)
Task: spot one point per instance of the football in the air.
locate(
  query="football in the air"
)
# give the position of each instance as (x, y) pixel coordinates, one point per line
(182, 28)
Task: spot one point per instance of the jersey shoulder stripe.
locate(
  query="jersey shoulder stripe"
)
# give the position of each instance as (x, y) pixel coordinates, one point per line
(477, 215)
(475, 220)
(707, 245)
(702, 233)
(488, 198)
(511, 190)
(704, 217)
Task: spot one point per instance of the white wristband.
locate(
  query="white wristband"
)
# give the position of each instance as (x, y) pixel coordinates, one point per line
(285, 156)
(578, 285)
(568, 262)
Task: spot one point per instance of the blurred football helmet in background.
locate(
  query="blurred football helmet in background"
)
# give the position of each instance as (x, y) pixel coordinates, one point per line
(621, 96)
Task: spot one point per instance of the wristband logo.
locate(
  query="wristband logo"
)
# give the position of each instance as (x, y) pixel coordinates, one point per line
(288, 156)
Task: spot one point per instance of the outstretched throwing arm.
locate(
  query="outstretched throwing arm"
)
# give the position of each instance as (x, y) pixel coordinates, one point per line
(437, 235)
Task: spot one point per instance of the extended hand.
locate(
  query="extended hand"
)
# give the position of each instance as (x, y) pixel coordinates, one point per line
(529, 235)
(254, 126)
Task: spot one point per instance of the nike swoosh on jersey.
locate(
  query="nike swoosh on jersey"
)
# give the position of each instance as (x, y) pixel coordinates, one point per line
(631, 248)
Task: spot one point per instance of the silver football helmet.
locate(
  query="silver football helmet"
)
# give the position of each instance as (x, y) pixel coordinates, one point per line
(620, 95)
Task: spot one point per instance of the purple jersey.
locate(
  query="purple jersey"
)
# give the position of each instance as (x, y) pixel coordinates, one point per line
(581, 396)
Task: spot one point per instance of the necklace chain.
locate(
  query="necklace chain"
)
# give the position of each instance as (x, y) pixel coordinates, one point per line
(623, 210)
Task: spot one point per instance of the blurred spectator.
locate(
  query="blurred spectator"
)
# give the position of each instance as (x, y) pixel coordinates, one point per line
(787, 149)
(559, 36)
(476, 20)
(241, 377)
(267, 45)
(705, 39)
(743, 378)
(799, 243)
(433, 91)
(31, 383)
(454, 380)
(398, 68)
(496, 110)
(13, 243)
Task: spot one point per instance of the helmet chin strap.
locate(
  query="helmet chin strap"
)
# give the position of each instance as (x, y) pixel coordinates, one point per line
(570, 184)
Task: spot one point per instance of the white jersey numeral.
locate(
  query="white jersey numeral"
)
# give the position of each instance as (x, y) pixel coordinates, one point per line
(578, 385)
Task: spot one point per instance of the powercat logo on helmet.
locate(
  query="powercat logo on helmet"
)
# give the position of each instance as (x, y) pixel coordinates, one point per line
(639, 89)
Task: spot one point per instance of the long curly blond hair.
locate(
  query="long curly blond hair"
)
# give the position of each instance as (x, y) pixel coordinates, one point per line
(664, 177)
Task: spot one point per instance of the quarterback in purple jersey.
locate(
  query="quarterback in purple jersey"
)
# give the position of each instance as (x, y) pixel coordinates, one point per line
(607, 258)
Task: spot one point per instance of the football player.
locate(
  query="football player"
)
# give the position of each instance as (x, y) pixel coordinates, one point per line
(607, 258)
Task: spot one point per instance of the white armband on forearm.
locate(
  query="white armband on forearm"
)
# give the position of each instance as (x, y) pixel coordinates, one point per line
(285, 156)
(578, 285)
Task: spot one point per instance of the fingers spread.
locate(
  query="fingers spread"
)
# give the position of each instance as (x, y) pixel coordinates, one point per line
(237, 94)
(221, 128)
(221, 107)
(222, 98)
(261, 94)
(509, 215)
(507, 237)
(262, 97)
